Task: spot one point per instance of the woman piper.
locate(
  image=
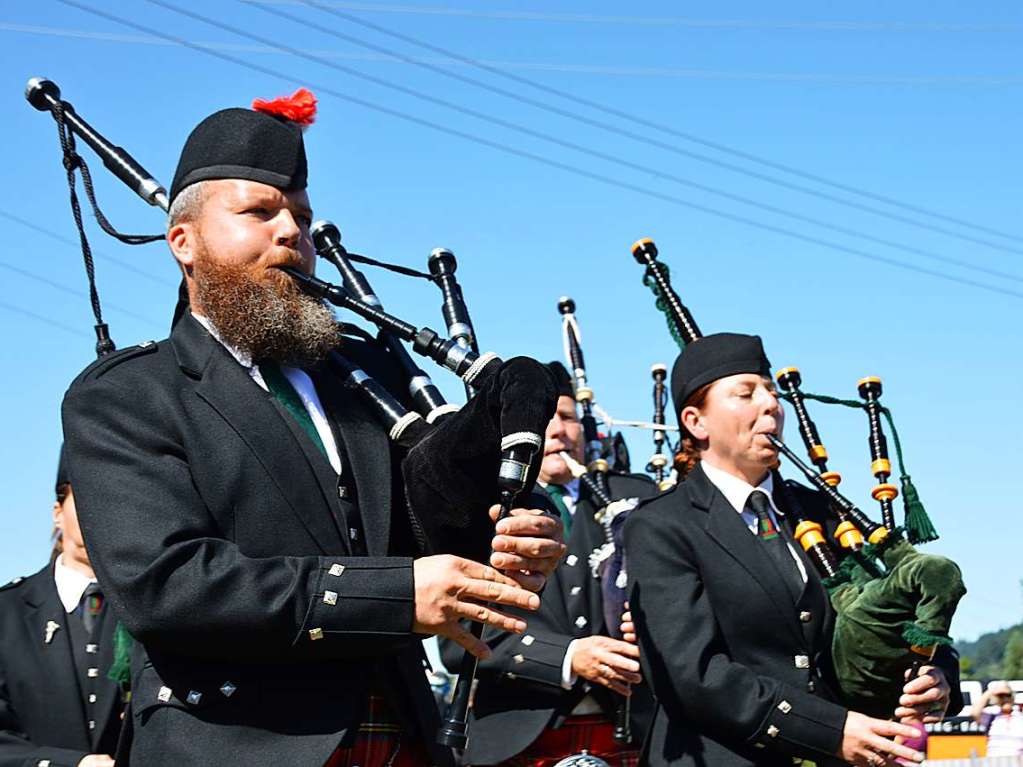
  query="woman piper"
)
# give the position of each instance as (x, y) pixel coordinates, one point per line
(733, 623)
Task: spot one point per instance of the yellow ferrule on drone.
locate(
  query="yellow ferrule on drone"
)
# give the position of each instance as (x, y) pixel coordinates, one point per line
(868, 380)
(885, 492)
(583, 394)
(848, 536)
(881, 466)
(599, 465)
(878, 535)
(809, 534)
(666, 484)
(784, 372)
(833, 478)
(818, 453)
(658, 460)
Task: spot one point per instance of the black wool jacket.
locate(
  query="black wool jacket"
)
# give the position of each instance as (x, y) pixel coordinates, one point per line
(519, 692)
(220, 533)
(43, 717)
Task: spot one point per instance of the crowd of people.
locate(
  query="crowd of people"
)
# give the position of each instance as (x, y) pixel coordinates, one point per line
(231, 534)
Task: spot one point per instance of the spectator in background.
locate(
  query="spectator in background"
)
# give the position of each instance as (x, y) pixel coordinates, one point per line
(1002, 719)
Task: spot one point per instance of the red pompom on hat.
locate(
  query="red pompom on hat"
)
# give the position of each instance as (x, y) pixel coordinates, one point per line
(299, 107)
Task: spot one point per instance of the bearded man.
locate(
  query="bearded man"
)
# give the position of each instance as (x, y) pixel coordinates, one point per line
(246, 511)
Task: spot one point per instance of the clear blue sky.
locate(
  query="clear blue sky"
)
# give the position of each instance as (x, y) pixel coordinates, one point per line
(916, 101)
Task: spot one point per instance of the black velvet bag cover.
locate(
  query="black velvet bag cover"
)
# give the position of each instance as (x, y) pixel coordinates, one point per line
(451, 474)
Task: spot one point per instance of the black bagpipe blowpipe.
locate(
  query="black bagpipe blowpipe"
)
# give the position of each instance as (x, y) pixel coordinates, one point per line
(427, 398)
(44, 95)
(472, 368)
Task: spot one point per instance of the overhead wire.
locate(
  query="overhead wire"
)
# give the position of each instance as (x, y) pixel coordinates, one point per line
(550, 162)
(687, 73)
(46, 320)
(651, 124)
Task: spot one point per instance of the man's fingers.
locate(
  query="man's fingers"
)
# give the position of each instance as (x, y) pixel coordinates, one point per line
(927, 696)
(885, 746)
(530, 522)
(490, 616)
(478, 572)
(528, 546)
(620, 647)
(528, 581)
(886, 729)
(508, 592)
(461, 636)
(516, 562)
(919, 684)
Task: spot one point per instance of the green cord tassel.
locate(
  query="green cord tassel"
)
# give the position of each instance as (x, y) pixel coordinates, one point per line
(919, 528)
(662, 307)
(120, 669)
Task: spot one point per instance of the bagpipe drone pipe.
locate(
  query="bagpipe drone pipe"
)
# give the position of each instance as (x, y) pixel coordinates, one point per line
(457, 462)
(893, 604)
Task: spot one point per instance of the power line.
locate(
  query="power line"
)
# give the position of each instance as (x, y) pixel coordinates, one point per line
(655, 172)
(46, 320)
(650, 124)
(670, 21)
(546, 66)
(77, 244)
(76, 293)
(422, 122)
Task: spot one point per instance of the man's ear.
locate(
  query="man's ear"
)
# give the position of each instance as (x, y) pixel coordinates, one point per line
(58, 516)
(182, 241)
(693, 422)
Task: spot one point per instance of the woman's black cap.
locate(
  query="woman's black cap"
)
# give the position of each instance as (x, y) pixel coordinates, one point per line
(716, 356)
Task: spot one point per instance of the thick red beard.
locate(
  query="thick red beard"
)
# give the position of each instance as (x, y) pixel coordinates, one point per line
(265, 316)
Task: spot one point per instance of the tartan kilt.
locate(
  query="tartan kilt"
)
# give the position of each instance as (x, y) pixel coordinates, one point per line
(592, 733)
(380, 742)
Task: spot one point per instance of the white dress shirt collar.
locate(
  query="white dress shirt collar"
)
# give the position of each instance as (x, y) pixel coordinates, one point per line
(737, 490)
(71, 584)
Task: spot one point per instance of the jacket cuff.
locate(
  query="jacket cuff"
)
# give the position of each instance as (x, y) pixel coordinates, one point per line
(353, 597)
(538, 658)
(799, 722)
(55, 757)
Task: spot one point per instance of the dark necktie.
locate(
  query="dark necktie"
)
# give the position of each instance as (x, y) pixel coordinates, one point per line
(90, 606)
(557, 494)
(281, 388)
(774, 541)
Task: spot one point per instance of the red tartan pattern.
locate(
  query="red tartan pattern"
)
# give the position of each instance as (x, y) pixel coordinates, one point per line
(380, 742)
(594, 734)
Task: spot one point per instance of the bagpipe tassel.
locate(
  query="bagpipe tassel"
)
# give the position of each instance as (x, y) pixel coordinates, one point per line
(919, 528)
(120, 669)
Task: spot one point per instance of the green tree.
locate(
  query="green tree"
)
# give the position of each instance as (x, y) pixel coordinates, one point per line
(965, 667)
(1012, 660)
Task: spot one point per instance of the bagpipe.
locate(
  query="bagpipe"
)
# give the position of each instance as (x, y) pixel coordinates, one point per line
(456, 461)
(893, 604)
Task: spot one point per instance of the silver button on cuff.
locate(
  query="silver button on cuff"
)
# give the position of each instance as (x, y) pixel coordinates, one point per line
(193, 697)
(519, 658)
(227, 689)
(784, 706)
(330, 597)
(773, 731)
(164, 695)
(528, 639)
(805, 616)
(315, 634)
(802, 661)
(336, 569)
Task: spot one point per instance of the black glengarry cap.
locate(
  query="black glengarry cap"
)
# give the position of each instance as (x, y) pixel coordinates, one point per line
(713, 357)
(261, 144)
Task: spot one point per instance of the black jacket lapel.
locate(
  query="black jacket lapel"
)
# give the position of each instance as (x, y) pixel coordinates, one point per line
(255, 416)
(54, 657)
(368, 455)
(726, 527)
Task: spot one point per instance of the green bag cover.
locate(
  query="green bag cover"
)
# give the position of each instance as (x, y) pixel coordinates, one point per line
(879, 619)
